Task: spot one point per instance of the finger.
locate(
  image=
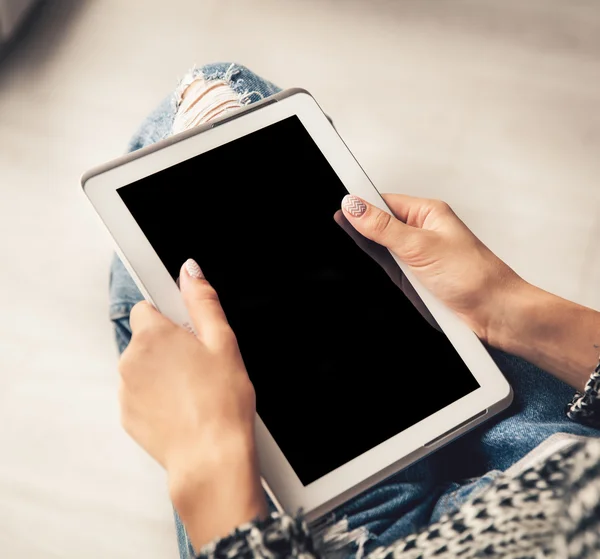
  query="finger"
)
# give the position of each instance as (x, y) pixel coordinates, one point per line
(143, 315)
(379, 253)
(371, 248)
(202, 303)
(379, 226)
(382, 256)
(412, 210)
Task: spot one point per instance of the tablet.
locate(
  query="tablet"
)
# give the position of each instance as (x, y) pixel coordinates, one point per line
(352, 382)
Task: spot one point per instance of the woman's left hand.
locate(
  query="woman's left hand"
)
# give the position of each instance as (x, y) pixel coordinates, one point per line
(188, 401)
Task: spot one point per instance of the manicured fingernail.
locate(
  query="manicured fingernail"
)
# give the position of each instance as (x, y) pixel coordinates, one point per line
(192, 268)
(354, 205)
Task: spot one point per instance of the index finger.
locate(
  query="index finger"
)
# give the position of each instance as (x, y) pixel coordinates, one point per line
(203, 304)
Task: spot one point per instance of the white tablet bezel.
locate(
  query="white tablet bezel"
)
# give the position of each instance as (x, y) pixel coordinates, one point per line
(156, 284)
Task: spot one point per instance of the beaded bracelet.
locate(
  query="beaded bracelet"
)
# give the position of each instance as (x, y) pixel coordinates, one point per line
(585, 407)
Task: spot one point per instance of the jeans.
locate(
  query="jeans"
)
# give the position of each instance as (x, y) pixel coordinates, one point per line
(438, 484)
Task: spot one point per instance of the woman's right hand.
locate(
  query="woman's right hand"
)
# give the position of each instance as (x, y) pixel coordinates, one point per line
(443, 254)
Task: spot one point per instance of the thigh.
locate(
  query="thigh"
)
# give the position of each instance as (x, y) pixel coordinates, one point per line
(444, 481)
(238, 86)
(537, 412)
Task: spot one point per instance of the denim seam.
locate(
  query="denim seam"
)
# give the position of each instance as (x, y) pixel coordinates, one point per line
(117, 311)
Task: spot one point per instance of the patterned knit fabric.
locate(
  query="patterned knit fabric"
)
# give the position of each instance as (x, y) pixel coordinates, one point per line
(551, 510)
(585, 408)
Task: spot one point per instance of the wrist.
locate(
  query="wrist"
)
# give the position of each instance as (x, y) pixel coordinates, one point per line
(559, 336)
(512, 314)
(213, 499)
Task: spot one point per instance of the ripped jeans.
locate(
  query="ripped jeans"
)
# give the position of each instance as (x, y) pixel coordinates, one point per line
(436, 485)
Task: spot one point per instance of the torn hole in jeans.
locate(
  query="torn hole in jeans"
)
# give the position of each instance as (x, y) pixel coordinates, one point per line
(200, 100)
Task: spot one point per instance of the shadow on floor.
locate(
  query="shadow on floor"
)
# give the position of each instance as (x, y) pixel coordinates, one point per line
(39, 34)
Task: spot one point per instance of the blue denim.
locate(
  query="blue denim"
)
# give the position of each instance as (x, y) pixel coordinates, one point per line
(438, 484)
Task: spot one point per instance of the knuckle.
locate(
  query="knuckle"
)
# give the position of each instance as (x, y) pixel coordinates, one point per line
(381, 224)
(208, 293)
(144, 348)
(144, 319)
(227, 339)
(203, 294)
(139, 312)
(154, 330)
(441, 207)
(125, 363)
(128, 371)
(246, 393)
(413, 248)
(142, 341)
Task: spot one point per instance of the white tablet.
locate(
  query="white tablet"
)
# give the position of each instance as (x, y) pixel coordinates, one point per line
(352, 382)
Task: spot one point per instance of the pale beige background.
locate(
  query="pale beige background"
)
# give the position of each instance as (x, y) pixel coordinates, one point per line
(491, 105)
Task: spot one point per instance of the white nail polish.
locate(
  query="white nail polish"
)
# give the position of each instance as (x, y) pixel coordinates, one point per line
(354, 205)
(193, 269)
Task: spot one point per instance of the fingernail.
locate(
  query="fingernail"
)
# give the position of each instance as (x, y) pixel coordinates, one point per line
(354, 205)
(192, 268)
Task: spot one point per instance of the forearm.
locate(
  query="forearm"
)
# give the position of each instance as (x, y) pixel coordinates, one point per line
(557, 335)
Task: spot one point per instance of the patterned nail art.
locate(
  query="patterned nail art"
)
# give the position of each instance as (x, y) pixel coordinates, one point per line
(193, 269)
(354, 205)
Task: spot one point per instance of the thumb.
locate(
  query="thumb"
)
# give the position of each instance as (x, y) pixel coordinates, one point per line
(379, 225)
(202, 302)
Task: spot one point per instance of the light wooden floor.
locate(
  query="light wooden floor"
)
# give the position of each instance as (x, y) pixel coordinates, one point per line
(491, 105)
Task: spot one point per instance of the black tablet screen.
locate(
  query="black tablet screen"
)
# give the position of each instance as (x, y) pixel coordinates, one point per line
(340, 359)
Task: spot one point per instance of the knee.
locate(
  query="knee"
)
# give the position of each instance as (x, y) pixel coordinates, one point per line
(210, 92)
